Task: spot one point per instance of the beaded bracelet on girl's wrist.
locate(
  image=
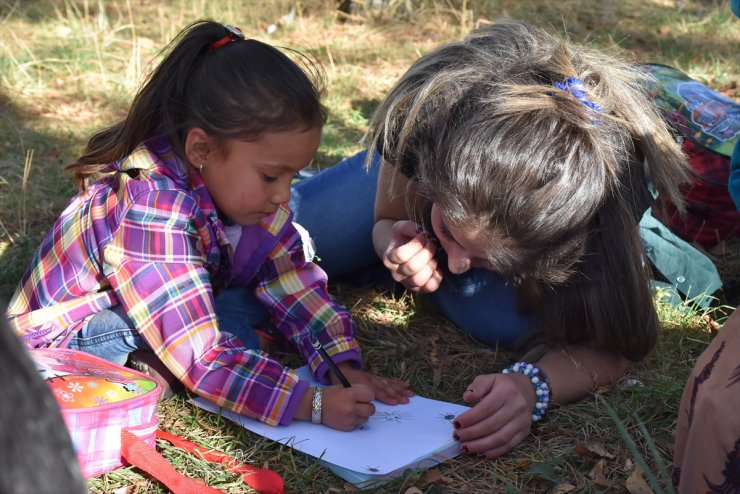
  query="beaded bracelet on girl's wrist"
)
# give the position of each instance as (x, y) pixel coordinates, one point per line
(540, 383)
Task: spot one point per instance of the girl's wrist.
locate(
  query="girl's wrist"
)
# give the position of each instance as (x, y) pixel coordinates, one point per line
(303, 411)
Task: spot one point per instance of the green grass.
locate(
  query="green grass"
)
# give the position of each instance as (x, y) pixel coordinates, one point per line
(68, 68)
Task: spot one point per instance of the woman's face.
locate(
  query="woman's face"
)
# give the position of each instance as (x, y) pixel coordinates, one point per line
(462, 248)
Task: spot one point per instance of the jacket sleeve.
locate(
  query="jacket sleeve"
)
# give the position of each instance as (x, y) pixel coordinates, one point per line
(293, 288)
(155, 265)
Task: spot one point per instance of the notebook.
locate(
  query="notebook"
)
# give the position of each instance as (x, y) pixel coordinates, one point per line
(394, 439)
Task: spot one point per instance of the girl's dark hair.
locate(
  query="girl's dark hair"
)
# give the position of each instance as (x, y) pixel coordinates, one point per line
(552, 188)
(236, 91)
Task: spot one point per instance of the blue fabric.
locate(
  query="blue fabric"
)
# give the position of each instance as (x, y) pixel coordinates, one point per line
(336, 207)
(733, 184)
(110, 334)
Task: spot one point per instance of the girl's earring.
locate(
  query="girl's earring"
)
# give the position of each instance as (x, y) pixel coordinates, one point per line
(200, 168)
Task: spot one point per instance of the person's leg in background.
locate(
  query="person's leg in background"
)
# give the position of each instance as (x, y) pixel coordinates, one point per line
(336, 207)
(110, 335)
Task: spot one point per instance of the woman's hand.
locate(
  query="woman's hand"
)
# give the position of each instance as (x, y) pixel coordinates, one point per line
(411, 258)
(346, 409)
(501, 418)
(387, 390)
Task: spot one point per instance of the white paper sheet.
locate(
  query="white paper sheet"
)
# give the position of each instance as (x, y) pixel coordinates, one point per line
(394, 438)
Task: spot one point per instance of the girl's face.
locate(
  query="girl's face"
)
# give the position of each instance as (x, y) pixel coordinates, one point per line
(249, 179)
(463, 251)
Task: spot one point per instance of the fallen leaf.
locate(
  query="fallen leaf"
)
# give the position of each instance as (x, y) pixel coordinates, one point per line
(435, 477)
(591, 449)
(562, 489)
(597, 475)
(635, 484)
(664, 30)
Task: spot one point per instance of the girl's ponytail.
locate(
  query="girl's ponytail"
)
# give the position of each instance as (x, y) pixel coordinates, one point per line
(158, 105)
(234, 89)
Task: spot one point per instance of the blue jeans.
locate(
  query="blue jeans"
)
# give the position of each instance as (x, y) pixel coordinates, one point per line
(110, 334)
(336, 207)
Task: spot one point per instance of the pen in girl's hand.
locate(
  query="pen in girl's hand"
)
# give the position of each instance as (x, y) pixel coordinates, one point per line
(325, 356)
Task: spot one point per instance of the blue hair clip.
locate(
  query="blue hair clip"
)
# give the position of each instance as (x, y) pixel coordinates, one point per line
(576, 87)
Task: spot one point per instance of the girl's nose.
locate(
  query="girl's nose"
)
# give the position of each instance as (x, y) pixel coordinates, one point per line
(281, 195)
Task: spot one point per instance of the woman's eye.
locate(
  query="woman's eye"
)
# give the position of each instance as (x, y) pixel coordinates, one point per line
(445, 232)
(268, 178)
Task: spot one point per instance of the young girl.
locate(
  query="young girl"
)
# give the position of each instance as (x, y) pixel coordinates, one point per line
(181, 238)
(511, 186)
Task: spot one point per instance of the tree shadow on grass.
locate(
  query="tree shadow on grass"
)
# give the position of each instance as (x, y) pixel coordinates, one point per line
(27, 211)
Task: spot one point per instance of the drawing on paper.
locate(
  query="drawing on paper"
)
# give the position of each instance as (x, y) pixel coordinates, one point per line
(448, 417)
(393, 416)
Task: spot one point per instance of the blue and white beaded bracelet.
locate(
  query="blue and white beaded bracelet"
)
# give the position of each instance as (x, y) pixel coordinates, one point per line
(540, 383)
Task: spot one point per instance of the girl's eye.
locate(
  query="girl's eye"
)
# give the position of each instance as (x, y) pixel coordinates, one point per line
(268, 178)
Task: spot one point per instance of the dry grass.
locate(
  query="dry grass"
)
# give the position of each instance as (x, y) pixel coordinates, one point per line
(67, 68)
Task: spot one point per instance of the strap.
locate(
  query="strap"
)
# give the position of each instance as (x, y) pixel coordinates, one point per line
(139, 454)
(262, 480)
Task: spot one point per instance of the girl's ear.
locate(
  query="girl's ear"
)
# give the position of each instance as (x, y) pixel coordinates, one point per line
(198, 145)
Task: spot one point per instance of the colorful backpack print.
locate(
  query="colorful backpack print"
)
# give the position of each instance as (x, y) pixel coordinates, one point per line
(99, 400)
(708, 125)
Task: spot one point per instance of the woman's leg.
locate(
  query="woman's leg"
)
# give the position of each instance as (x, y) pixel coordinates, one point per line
(482, 304)
(336, 207)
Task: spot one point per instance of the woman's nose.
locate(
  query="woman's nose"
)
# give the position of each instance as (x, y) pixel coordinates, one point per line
(458, 264)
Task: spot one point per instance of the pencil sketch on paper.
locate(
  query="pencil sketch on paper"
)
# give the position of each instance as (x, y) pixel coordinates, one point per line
(392, 416)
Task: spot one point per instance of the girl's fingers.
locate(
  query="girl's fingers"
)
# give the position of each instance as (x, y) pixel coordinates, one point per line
(364, 411)
(393, 392)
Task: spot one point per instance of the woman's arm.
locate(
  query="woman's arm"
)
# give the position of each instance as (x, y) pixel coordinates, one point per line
(576, 371)
(502, 415)
(389, 209)
(407, 251)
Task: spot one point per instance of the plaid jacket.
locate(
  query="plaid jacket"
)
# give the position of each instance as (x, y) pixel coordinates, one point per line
(147, 236)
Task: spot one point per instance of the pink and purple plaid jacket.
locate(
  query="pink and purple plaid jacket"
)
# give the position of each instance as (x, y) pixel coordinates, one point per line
(147, 236)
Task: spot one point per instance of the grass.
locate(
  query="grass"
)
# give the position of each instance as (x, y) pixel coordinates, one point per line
(68, 68)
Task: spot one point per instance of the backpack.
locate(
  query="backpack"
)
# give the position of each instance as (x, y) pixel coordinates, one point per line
(708, 126)
(99, 400)
(110, 412)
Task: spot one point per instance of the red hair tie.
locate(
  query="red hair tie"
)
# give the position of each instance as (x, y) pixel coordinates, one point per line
(234, 34)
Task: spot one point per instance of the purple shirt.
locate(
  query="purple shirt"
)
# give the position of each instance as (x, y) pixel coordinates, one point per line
(151, 241)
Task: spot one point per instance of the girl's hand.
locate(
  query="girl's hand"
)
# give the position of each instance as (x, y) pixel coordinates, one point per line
(502, 417)
(346, 409)
(387, 390)
(410, 257)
